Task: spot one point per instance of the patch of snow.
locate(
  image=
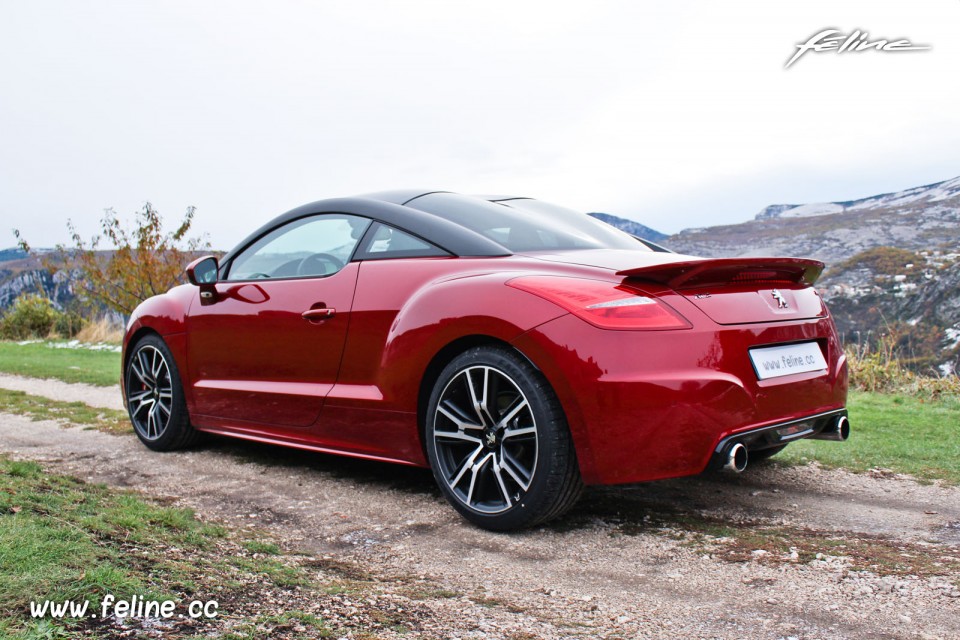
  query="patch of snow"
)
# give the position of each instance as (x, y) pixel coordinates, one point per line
(953, 336)
(91, 346)
(810, 210)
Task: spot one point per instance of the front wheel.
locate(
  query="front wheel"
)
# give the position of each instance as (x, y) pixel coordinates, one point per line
(498, 441)
(155, 398)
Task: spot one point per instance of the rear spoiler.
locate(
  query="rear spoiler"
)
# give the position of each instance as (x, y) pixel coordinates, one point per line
(702, 273)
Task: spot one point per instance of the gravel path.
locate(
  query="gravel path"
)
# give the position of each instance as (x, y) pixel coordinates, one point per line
(624, 564)
(100, 397)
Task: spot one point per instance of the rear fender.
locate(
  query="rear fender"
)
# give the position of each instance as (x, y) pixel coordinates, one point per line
(442, 313)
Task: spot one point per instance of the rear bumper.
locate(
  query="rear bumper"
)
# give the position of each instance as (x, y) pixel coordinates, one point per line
(649, 405)
(820, 425)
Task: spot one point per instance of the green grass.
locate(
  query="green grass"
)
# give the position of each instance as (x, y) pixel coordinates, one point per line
(63, 539)
(39, 360)
(905, 434)
(40, 408)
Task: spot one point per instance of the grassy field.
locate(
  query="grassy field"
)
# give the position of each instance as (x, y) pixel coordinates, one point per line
(40, 360)
(65, 540)
(62, 539)
(902, 433)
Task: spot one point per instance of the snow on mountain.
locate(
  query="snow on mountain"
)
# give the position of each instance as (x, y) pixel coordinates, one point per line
(935, 192)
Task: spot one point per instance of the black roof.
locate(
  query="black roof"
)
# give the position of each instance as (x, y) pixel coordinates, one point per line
(387, 207)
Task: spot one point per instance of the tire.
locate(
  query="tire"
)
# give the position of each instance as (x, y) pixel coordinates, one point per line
(498, 442)
(155, 400)
(765, 454)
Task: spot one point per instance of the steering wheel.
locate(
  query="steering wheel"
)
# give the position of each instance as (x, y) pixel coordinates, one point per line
(308, 266)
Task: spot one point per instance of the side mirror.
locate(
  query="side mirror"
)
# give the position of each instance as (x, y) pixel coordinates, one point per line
(203, 271)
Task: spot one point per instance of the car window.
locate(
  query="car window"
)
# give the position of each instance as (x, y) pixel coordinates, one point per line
(309, 247)
(385, 242)
(523, 225)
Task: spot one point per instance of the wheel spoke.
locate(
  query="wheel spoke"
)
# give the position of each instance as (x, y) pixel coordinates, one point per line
(140, 396)
(156, 368)
(456, 419)
(145, 368)
(475, 471)
(503, 487)
(518, 405)
(514, 433)
(465, 466)
(136, 367)
(507, 463)
(455, 435)
(145, 403)
(479, 401)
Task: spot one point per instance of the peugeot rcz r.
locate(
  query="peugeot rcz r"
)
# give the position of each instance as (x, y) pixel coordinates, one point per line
(519, 349)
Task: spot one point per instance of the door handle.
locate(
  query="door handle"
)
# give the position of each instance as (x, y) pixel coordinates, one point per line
(317, 315)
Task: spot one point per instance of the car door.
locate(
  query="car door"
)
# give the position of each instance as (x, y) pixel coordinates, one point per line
(266, 347)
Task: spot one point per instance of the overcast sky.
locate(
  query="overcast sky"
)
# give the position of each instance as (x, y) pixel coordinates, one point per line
(675, 114)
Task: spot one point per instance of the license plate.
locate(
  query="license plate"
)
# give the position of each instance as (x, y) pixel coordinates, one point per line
(774, 362)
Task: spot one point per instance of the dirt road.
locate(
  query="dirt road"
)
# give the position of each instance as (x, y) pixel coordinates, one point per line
(711, 557)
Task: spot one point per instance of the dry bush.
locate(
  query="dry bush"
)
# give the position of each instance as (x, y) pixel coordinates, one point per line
(33, 315)
(100, 331)
(878, 368)
(123, 265)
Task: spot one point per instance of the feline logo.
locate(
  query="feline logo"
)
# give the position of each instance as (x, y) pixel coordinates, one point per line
(781, 301)
(856, 41)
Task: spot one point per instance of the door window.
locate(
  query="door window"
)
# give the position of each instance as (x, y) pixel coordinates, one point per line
(316, 246)
(384, 242)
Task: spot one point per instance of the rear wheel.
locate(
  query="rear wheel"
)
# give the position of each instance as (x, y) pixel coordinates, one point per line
(498, 441)
(155, 398)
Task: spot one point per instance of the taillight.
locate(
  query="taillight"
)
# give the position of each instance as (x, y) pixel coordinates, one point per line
(603, 304)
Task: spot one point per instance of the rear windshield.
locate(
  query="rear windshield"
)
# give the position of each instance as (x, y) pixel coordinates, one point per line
(524, 225)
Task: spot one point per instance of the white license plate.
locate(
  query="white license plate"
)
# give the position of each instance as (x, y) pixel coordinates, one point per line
(773, 362)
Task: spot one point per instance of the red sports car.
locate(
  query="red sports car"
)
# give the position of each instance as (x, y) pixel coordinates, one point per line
(518, 349)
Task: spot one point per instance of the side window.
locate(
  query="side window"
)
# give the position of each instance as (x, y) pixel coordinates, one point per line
(384, 242)
(315, 246)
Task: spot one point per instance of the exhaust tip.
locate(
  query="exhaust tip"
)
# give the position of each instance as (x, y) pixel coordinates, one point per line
(736, 458)
(837, 430)
(842, 428)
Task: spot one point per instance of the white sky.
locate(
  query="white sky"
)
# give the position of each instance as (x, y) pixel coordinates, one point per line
(676, 114)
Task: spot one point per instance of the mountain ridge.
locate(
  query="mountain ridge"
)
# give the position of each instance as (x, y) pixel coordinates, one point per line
(919, 218)
(936, 191)
(893, 264)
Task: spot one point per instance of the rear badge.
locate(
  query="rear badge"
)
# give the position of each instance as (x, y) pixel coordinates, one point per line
(781, 301)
